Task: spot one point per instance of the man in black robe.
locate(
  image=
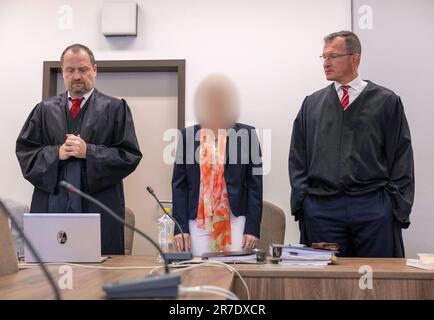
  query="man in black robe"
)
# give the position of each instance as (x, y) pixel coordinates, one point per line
(351, 161)
(86, 138)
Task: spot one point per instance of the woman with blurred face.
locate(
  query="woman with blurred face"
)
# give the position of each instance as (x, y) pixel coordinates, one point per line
(217, 178)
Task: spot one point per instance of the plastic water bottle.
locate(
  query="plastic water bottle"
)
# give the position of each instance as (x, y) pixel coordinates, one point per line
(166, 228)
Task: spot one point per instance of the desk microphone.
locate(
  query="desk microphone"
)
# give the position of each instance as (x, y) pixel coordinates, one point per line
(163, 286)
(33, 250)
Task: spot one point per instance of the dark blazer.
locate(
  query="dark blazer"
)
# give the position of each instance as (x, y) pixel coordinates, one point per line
(243, 177)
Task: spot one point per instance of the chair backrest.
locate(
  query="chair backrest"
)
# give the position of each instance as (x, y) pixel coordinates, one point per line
(17, 210)
(8, 258)
(128, 233)
(273, 226)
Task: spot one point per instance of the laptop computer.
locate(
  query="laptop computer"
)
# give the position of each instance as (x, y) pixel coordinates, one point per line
(63, 237)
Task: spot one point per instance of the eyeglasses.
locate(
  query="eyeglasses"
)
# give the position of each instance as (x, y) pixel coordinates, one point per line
(334, 56)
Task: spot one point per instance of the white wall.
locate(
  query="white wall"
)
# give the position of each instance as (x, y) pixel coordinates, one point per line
(270, 48)
(398, 53)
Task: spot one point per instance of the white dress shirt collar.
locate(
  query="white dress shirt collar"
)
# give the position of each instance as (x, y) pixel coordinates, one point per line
(85, 96)
(356, 87)
(357, 84)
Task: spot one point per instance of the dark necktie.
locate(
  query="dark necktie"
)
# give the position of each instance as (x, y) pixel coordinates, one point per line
(345, 100)
(75, 108)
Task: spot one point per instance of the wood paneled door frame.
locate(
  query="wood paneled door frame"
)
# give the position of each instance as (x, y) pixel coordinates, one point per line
(52, 69)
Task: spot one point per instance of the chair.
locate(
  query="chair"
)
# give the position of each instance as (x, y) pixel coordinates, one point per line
(272, 226)
(8, 259)
(17, 210)
(128, 233)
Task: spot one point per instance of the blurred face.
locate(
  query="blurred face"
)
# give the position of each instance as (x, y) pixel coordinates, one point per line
(217, 103)
(78, 73)
(339, 65)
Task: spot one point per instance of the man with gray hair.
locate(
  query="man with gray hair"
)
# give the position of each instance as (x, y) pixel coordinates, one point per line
(351, 160)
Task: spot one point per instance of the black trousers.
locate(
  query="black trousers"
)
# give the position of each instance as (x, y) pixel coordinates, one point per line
(363, 225)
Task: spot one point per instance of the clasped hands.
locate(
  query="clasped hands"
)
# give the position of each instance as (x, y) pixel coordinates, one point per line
(74, 146)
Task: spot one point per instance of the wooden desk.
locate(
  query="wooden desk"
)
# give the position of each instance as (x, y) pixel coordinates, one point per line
(30, 283)
(392, 279)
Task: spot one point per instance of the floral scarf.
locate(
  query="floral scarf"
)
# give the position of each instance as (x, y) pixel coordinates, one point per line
(214, 210)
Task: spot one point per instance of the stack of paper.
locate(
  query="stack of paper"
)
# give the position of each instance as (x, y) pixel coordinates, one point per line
(424, 261)
(296, 256)
(245, 256)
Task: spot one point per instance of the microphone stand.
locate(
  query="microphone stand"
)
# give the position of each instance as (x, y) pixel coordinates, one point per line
(163, 286)
(173, 256)
(34, 252)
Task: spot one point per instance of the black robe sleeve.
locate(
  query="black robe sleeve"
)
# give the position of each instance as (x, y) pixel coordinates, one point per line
(297, 164)
(108, 165)
(39, 162)
(399, 154)
(180, 186)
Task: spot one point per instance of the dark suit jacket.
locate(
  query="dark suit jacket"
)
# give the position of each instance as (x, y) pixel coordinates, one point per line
(242, 172)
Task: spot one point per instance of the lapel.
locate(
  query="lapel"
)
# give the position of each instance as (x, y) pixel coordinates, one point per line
(333, 92)
(62, 108)
(89, 117)
(231, 144)
(197, 143)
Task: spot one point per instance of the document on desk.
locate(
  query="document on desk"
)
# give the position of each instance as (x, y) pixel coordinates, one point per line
(301, 257)
(424, 261)
(245, 256)
(292, 266)
(291, 257)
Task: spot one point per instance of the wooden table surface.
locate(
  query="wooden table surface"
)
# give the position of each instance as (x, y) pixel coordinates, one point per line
(30, 283)
(392, 279)
(390, 268)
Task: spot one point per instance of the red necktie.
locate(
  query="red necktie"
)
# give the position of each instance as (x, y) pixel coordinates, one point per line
(75, 108)
(345, 100)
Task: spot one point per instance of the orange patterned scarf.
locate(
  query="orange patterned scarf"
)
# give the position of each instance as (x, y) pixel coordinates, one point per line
(213, 212)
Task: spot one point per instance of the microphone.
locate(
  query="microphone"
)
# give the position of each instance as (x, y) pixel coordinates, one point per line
(173, 256)
(164, 286)
(151, 191)
(33, 250)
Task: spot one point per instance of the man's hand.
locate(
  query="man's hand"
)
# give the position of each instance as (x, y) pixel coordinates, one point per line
(178, 242)
(249, 241)
(62, 153)
(74, 146)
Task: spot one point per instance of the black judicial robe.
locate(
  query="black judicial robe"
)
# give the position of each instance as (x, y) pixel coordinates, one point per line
(357, 151)
(106, 124)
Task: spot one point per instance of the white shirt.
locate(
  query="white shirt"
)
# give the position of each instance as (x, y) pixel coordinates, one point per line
(356, 88)
(85, 96)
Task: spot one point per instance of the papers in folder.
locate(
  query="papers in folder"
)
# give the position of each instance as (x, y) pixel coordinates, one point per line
(245, 256)
(297, 256)
(424, 261)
